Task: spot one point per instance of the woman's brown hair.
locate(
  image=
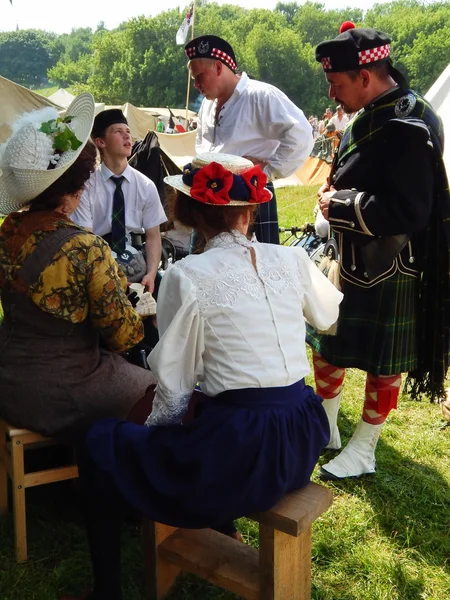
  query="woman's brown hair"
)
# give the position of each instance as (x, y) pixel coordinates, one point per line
(70, 182)
(206, 218)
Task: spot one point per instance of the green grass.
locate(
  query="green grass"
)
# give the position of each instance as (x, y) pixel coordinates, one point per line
(296, 204)
(386, 537)
(46, 91)
(49, 90)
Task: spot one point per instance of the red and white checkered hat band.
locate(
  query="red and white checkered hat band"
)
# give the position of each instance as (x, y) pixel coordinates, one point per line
(326, 62)
(224, 57)
(191, 52)
(374, 54)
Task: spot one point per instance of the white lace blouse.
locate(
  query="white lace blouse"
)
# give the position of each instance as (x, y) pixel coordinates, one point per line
(226, 326)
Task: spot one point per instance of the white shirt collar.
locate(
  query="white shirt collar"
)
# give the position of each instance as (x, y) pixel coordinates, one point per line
(228, 239)
(242, 84)
(107, 173)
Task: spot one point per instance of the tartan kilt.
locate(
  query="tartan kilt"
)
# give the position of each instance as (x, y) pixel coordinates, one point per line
(376, 328)
(265, 226)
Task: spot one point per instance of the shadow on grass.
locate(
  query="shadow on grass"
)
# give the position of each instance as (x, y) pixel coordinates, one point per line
(384, 538)
(59, 556)
(404, 522)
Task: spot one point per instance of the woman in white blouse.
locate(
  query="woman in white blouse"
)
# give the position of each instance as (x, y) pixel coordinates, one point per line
(231, 320)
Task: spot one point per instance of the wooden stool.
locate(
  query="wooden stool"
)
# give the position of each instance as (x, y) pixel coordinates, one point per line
(279, 570)
(13, 442)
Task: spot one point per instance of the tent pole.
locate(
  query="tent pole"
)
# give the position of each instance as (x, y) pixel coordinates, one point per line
(189, 73)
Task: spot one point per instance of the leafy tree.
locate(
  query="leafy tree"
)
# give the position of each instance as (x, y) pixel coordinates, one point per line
(26, 55)
(70, 73)
(428, 57)
(288, 9)
(76, 43)
(139, 61)
(313, 23)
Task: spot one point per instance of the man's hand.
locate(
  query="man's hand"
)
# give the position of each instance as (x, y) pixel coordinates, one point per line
(256, 161)
(325, 188)
(152, 256)
(149, 282)
(324, 199)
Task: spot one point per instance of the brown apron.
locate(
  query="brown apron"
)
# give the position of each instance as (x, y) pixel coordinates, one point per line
(55, 378)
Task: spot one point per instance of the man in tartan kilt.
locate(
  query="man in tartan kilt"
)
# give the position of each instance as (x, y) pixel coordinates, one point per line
(248, 118)
(388, 206)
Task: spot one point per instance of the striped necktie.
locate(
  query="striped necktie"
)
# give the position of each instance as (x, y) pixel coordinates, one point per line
(118, 233)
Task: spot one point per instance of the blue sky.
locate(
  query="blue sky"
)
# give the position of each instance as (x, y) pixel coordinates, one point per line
(62, 16)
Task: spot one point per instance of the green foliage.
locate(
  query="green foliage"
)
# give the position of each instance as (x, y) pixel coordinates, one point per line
(63, 137)
(26, 55)
(70, 73)
(76, 43)
(429, 55)
(313, 23)
(288, 9)
(139, 61)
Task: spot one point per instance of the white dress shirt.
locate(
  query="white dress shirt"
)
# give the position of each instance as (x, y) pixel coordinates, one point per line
(226, 326)
(143, 208)
(259, 121)
(340, 124)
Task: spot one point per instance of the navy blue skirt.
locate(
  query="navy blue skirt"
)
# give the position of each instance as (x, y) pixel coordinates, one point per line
(242, 453)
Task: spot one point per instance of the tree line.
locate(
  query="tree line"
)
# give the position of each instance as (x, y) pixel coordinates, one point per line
(139, 61)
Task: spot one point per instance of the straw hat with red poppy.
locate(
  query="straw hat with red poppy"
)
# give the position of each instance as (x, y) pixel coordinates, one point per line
(222, 180)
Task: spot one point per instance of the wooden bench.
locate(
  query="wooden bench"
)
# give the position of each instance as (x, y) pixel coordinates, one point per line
(279, 570)
(13, 443)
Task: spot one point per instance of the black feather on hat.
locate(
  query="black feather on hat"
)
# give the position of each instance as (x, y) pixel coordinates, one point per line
(104, 119)
(211, 46)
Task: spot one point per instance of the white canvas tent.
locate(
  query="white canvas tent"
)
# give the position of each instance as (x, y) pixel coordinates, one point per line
(439, 97)
(180, 147)
(16, 100)
(142, 120)
(62, 98)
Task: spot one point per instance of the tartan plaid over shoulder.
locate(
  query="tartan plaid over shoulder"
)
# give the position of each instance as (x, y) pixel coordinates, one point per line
(433, 315)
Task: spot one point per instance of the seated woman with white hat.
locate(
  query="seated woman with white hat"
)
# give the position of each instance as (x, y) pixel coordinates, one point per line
(66, 315)
(233, 321)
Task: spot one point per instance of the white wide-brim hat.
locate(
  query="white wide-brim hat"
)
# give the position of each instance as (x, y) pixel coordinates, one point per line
(236, 164)
(18, 186)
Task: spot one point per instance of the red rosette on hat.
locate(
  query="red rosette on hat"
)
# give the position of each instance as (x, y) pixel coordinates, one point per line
(211, 184)
(256, 182)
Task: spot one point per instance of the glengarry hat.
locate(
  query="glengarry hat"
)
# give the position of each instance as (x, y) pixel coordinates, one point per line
(29, 163)
(354, 48)
(105, 118)
(222, 180)
(211, 46)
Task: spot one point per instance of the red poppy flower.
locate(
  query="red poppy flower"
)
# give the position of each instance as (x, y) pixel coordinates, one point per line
(211, 184)
(256, 182)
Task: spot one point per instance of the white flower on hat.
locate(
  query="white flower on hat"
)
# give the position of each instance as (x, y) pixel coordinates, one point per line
(27, 159)
(28, 148)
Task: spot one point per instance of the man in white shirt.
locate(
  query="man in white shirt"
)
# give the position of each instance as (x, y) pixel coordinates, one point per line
(248, 118)
(115, 181)
(339, 120)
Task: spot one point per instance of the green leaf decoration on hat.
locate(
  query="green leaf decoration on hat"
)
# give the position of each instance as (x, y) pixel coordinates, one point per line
(63, 137)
